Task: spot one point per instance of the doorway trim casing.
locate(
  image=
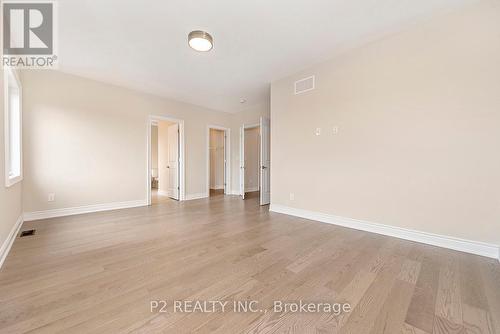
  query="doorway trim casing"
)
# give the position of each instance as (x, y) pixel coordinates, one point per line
(182, 189)
(251, 126)
(227, 149)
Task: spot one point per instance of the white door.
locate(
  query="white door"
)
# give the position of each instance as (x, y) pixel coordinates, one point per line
(265, 161)
(173, 161)
(242, 161)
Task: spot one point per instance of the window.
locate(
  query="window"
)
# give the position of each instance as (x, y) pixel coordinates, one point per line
(13, 128)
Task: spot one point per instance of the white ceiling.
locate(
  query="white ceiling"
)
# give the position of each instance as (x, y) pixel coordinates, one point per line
(142, 44)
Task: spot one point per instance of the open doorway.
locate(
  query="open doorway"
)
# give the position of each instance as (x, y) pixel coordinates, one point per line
(218, 152)
(255, 161)
(165, 160)
(252, 161)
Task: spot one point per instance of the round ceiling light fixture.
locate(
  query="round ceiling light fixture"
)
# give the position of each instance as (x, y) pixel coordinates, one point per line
(200, 41)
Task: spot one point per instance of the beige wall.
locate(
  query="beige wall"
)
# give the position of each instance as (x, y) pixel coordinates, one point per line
(10, 198)
(85, 141)
(216, 159)
(252, 148)
(154, 149)
(419, 127)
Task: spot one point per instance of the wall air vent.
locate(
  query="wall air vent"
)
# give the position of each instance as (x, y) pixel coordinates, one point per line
(304, 85)
(27, 233)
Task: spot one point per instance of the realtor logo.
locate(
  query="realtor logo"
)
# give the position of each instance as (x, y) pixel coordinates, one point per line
(28, 34)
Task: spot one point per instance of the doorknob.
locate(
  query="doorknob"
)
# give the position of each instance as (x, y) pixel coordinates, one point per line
(264, 167)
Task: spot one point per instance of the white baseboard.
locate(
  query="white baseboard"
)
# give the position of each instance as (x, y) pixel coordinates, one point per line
(217, 187)
(190, 197)
(251, 189)
(28, 216)
(7, 244)
(468, 246)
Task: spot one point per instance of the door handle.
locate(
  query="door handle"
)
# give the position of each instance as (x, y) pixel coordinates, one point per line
(264, 167)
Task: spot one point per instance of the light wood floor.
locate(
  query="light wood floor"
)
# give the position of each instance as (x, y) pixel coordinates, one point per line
(216, 192)
(157, 198)
(97, 273)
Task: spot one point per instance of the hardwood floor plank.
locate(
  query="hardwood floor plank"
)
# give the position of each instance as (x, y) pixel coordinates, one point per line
(364, 315)
(445, 326)
(490, 273)
(476, 320)
(471, 286)
(410, 271)
(392, 316)
(421, 312)
(409, 329)
(448, 299)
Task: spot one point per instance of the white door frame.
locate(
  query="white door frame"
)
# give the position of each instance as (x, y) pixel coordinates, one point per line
(227, 149)
(242, 170)
(151, 120)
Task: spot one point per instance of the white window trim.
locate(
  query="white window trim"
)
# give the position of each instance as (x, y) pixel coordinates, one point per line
(10, 181)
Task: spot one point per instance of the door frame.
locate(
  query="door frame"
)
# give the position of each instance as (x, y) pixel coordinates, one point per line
(227, 151)
(156, 118)
(242, 170)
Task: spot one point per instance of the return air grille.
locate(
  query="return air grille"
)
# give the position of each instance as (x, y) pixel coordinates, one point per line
(27, 233)
(304, 85)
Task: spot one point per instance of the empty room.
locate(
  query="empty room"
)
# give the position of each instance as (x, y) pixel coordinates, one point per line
(250, 166)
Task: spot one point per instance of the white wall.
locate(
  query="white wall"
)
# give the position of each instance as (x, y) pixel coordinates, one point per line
(163, 171)
(10, 198)
(216, 159)
(419, 127)
(154, 149)
(252, 165)
(85, 140)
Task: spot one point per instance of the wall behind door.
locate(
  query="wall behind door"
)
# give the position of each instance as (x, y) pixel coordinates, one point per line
(216, 159)
(154, 150)
(252, 155)
(163, 156)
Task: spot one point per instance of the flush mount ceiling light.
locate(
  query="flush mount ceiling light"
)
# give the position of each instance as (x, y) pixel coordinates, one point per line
(200, 41)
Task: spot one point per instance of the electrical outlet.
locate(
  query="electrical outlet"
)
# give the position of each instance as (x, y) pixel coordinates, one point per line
(318, 131)
(51, 197)
(292, 196)
(335, 130)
